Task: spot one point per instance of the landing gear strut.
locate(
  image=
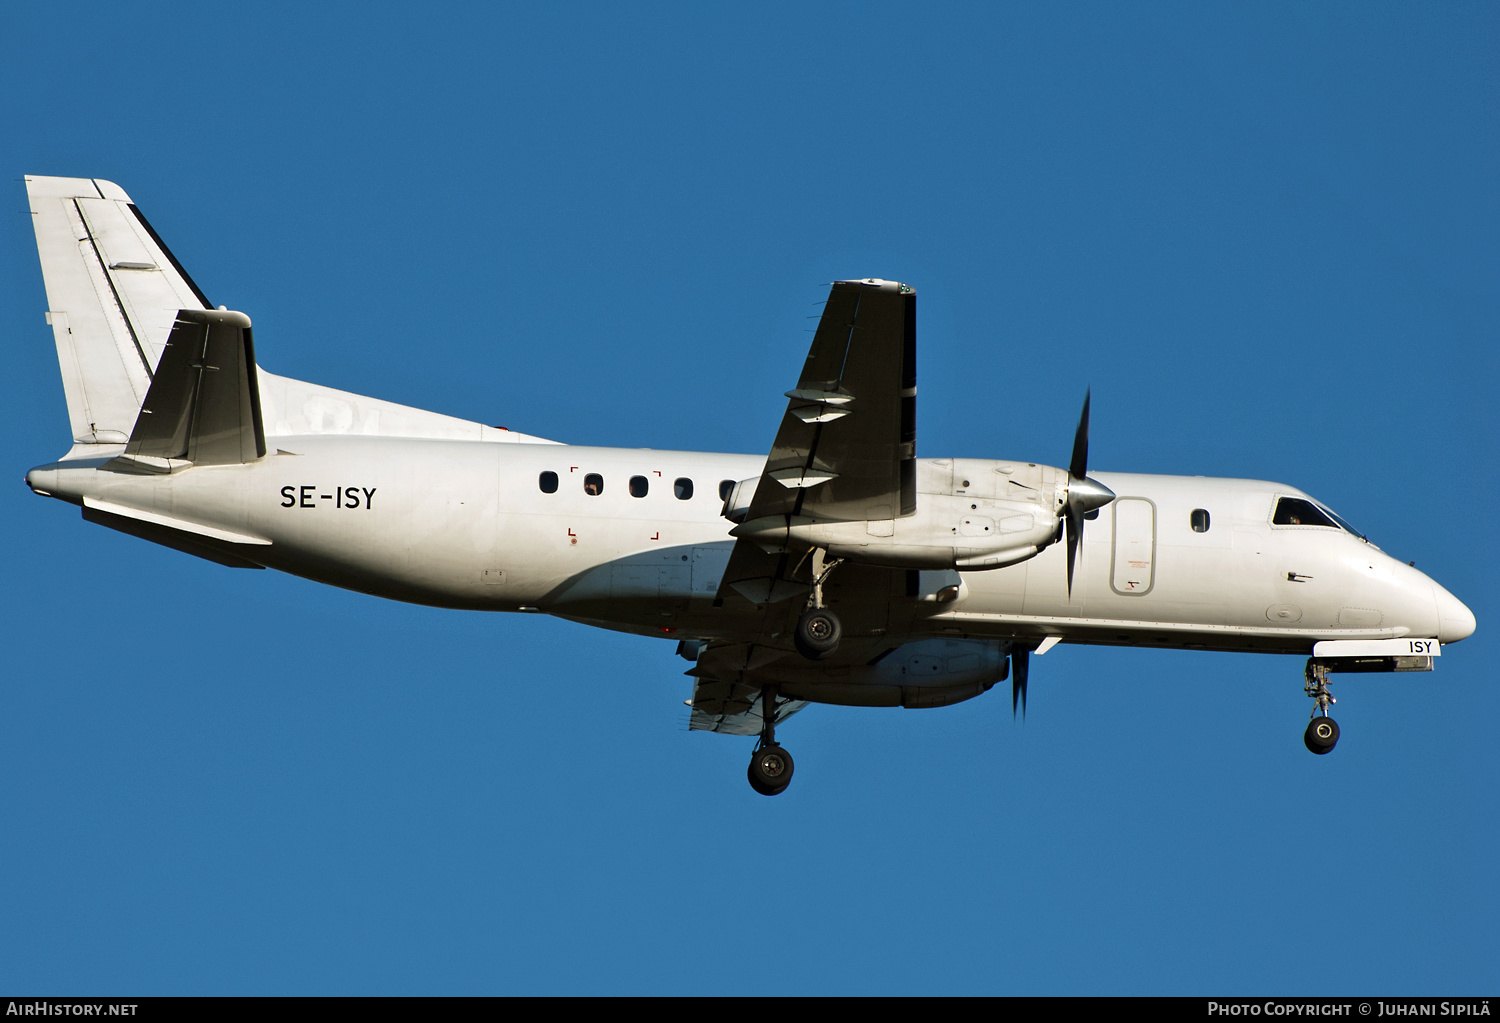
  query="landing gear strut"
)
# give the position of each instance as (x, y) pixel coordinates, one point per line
(818, 631)
(1322, 731)
(770, 766)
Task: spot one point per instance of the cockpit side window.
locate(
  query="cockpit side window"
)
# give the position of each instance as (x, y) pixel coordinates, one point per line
(1294, 511)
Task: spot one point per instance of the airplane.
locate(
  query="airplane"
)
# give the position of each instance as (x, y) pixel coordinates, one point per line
(838, 569)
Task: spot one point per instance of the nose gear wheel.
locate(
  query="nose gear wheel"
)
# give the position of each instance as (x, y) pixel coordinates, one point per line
(1322, 734)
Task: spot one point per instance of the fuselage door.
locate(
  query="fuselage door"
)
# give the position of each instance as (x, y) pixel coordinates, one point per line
(1133, 571)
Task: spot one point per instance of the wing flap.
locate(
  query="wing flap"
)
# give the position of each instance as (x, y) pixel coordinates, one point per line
(726, 698)
(733, 708)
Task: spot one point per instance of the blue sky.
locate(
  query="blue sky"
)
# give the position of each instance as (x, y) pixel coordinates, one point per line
(1266, 235)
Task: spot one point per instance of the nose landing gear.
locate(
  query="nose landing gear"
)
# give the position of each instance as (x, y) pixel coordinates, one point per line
(1322, 731)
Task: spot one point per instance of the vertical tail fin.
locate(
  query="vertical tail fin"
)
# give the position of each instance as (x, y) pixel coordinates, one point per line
(113, 294)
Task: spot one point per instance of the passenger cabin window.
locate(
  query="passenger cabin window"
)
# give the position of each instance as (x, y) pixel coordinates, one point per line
(725, 486)
(683, 488)
(639, 485)
(1200, 520)
(1293, 511)
(548, 482)
(593, 484)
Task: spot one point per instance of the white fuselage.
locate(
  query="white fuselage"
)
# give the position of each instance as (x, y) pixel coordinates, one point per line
(466, 524)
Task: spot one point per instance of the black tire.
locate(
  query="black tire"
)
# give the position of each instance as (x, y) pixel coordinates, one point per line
(756, 783)
(1322, 735)
(817, 634)
(770, 770)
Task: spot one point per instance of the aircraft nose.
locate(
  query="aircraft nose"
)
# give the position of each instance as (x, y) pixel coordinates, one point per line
(1455, 621)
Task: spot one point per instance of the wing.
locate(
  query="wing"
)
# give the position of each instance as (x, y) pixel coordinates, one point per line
(726, 695)
(846, 450)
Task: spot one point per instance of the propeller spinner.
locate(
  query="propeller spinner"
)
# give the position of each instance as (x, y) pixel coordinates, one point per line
(1084, 494)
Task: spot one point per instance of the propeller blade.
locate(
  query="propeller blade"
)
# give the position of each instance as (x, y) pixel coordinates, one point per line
(1084, 494)
(1078, 467)
(1073, 524)
(1020, 668)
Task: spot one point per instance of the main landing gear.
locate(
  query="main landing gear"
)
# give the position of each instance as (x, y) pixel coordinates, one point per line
(818, 630)
(1322, 731)
(770, 766)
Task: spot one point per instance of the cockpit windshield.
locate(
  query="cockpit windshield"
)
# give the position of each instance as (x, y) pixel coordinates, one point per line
(1340, 520)
(1297, 511)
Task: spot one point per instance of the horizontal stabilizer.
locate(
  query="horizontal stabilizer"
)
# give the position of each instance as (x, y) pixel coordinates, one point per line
(190, 541)
(203, 406)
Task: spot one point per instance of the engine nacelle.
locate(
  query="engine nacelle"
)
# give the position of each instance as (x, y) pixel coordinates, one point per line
(737, 502)
(924, 673)
(989, 515)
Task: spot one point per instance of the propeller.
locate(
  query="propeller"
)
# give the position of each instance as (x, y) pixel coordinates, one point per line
(1020, 668)
(1084, 494)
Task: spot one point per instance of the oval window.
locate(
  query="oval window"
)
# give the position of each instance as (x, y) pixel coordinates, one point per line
(725, 486)
(639, 485)
(593, 484)
(1200, 520)
(548, 482)
(683, 488)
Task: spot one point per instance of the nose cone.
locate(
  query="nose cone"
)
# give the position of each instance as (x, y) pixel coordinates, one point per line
(1455, 621)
